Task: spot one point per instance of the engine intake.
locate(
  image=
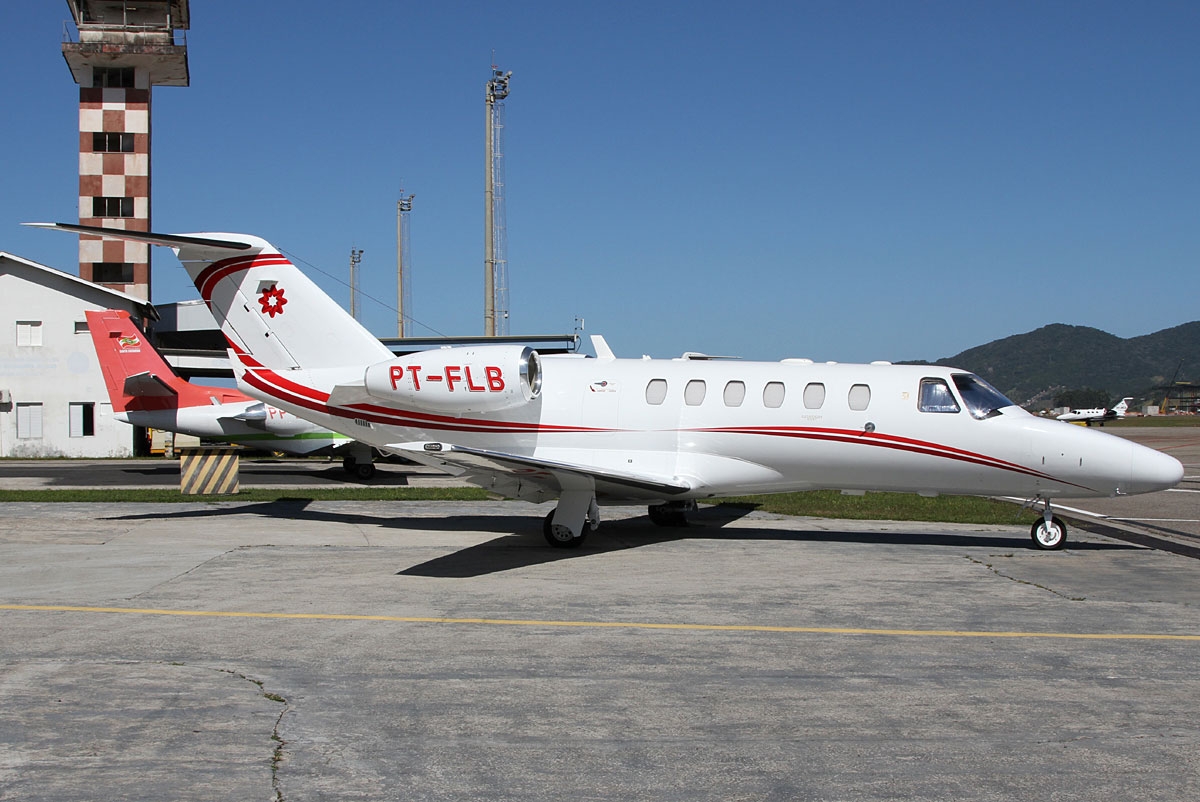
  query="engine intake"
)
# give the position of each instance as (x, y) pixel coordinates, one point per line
(455, 381)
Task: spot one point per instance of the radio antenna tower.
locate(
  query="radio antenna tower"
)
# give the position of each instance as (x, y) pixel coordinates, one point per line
(403, 265)
(495, 236)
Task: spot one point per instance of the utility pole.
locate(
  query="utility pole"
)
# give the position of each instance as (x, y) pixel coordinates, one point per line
(495, 262)
(355, 258)
(403, 283)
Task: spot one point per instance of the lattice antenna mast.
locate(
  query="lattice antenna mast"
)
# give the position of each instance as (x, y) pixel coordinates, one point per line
(403, 265)
(495, 236)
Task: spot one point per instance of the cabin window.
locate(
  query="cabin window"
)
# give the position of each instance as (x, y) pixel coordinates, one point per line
(773, 395)
(860, 397)
(735, 393)
(935, 396)
(814, 395)
(693, 393)
(656, 391)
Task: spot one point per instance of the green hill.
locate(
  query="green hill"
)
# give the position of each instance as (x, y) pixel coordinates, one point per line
(1032, 368)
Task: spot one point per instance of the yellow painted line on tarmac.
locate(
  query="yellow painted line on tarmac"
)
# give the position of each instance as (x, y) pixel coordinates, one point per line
(516, 622)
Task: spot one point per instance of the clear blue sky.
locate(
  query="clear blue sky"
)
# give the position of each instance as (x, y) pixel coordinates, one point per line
(836, 180)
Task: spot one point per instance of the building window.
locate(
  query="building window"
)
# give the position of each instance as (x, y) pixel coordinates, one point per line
(81, 327)
(109, 142)
(112, 272)
(29, 421)
(735, 393)
(773, 395)
(860, 397)
(693, 393)
(656, 391)
(814, 395)
(112, 207)
(83, 419)
(29, 332)
(113, 77)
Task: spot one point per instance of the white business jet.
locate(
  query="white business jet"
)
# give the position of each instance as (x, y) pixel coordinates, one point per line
(1100, 416)
(666, 432)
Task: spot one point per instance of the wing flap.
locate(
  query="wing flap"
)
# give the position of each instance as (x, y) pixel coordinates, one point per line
(538, 479)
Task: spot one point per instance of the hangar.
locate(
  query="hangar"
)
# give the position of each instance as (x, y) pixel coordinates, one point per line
(53, 402)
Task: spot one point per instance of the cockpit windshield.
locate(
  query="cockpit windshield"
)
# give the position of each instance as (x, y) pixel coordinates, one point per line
(982, 399)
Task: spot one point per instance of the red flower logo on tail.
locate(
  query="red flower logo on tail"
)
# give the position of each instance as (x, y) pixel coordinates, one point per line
(272, 301)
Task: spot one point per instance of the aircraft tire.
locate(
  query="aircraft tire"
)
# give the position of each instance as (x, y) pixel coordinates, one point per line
(669, 514)
(364, 470)
(555, 540)
(1049, 538)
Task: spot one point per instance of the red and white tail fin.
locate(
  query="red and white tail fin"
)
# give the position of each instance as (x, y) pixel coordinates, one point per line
(270, 312)
(137, 377)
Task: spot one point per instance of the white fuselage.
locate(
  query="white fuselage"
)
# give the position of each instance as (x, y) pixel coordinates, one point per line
(731, 427)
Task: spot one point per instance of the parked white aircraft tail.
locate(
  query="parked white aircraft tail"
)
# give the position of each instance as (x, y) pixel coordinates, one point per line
(145, 391)
(668, 432)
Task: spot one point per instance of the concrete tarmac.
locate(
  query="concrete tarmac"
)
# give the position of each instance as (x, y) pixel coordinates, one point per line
(441, 651)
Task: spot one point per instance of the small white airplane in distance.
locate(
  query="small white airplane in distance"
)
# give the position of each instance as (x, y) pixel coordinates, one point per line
(1100, 416)
(666, 432)
(145, 391)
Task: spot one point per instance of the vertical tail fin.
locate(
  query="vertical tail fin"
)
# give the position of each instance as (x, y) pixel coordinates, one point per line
(137, 377)
(270, 312)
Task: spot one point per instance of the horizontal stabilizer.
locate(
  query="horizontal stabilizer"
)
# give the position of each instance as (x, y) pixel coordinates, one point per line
(148, 385)
(167, 240)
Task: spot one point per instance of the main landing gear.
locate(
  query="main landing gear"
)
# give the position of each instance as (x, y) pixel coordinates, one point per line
(1050, 532)
(360, 462)
(577, 514)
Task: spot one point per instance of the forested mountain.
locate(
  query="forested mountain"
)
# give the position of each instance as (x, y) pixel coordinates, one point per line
(1032, 368)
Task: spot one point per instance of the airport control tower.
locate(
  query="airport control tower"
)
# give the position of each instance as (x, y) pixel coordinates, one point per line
(125, 48)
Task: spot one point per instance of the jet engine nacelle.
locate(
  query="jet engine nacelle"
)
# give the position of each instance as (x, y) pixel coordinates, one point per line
(454, 381)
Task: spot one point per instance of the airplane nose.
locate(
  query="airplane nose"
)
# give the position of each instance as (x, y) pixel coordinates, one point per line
(1152, 470)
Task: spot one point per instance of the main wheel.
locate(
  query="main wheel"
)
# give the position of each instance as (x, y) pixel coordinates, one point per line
(364, 470)
(672, 514)
(560, 536)
(1049, 537)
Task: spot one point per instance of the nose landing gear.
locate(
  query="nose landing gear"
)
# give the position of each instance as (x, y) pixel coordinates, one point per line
(1050, 533)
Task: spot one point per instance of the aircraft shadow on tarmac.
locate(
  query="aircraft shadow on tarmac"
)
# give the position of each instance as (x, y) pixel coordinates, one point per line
(520, 543)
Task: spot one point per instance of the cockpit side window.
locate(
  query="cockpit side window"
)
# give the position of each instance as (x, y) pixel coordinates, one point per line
(982, 399)
(935, 396)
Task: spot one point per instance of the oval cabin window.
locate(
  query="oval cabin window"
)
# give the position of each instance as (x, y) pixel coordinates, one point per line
(860, 397)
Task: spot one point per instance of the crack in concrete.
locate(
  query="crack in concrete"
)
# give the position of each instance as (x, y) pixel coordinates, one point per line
(1002, 575)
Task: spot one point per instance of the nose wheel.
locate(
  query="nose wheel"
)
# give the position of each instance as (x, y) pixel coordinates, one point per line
(1050, 533)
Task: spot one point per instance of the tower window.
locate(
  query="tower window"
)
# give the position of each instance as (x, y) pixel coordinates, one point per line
(108, 142)
(112, 272)
(112, 207)
(113, 77)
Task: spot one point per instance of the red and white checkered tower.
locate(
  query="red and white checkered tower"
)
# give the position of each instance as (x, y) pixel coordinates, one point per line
(125, 48)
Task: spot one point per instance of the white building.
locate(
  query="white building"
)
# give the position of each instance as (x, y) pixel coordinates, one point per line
(53, 402)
